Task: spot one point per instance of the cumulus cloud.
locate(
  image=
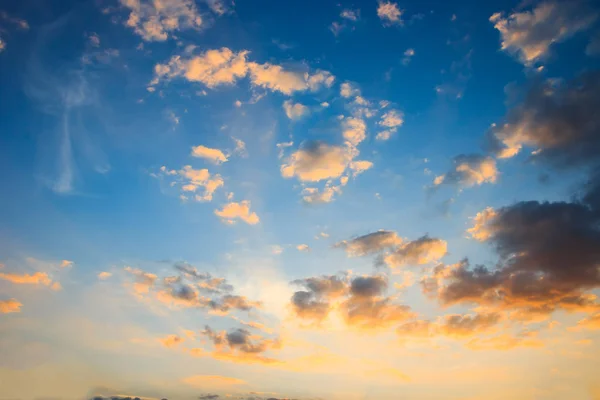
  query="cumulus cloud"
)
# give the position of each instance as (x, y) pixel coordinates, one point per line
(171, 341)
(347, 90)
(192, 180)
(315, 196)
(233, 211)
(529, 34)
(303, 247)
(215, 156)
(480, 230)
(104, 275)
(389, 13)
(217, 67)
(360, 301)
(317, 161)
(469, 170)
(349, 14)
(556, 119)
(156, 20)
(354, 130)
(10, 306)
(423, 250)
(241, 346)
(408, 55)
(370, 243)
(295, 111)
(391, 121)
(143, 280)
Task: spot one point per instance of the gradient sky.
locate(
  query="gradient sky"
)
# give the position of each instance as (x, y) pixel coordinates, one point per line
(271, 199)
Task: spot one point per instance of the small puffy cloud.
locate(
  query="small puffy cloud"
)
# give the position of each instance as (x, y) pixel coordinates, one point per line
(389, 13)
(408, 55)
(10, 306)
(171, 341)
(202, 381)
(557, 119)
(156, 20)
(370, 243)
(351, 15)
(391, 120)
(66, 263)
(295, 111)
(195, 179)
(94, 39)
(317, 161)
(354, 130)
(319, 79)
(348, 90)
(232, 211)
(215, 156)
(481, 225)
(469, 170)
(529, 34)
(303, 247)
(220, 7)
(276, 78)
(421, 251)
(104, 275)
(276, 249)
(315, 196)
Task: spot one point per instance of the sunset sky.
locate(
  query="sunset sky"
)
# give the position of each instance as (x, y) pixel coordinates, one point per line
(299, 199)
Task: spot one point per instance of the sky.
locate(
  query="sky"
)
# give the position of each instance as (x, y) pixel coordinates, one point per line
(268, 200)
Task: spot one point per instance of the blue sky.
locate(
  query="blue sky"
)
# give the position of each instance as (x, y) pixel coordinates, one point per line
(295, 151)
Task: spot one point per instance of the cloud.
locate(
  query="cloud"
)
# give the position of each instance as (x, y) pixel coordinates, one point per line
(361, 301)
(303, 247)
(208, 397)
(592, 322)
(154, 21)
(530, 34)
(408, 55)
(348, 90)
(548, 260)
(391, 120)
(469, 170)
(194, 179)
(504, 342)
(556, 119)
(389, 13)
(232, 211)
(315, 196)
(217, 67)
(241, 346)
(220, 7)
(202, 381)
(295, 111)
(215, 156)
(351, 15)
(480, 230)
(317, 161)
(66, 263)
(421, 251)
(37, 278)
(354, 130)
(171, 341)
(104, 275)
(10, 306)
(457, 326)
(143, 280)
(370, 243)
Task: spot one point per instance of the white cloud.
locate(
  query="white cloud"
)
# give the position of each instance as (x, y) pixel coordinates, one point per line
(354, 130)
(215, 156)
(389, 13)
(154, 20)
(295, 111)
(348, 90)
(349, 14)
(530, 34)
(303, 247)
(232, 211)
(316, 162)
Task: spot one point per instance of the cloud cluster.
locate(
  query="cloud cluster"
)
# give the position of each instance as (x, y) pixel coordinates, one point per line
(36, 278)
(155, 20)
(457, 326)
(224, 67)
(529, 34)
(10, 306)
(389, 13)
(197, 184)
(559, 120)
(397, 252)
(361, 301)
(190, 289)
(469, 170)
(241, 346)
(390, 121)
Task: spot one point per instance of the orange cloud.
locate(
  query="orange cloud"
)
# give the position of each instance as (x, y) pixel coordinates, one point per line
(10, 306)
(38, 278)
(171, 341)
(232, 211)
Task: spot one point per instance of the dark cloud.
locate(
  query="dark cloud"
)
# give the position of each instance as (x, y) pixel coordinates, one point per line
(209, 397)
(361, 301)
(559, 120)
